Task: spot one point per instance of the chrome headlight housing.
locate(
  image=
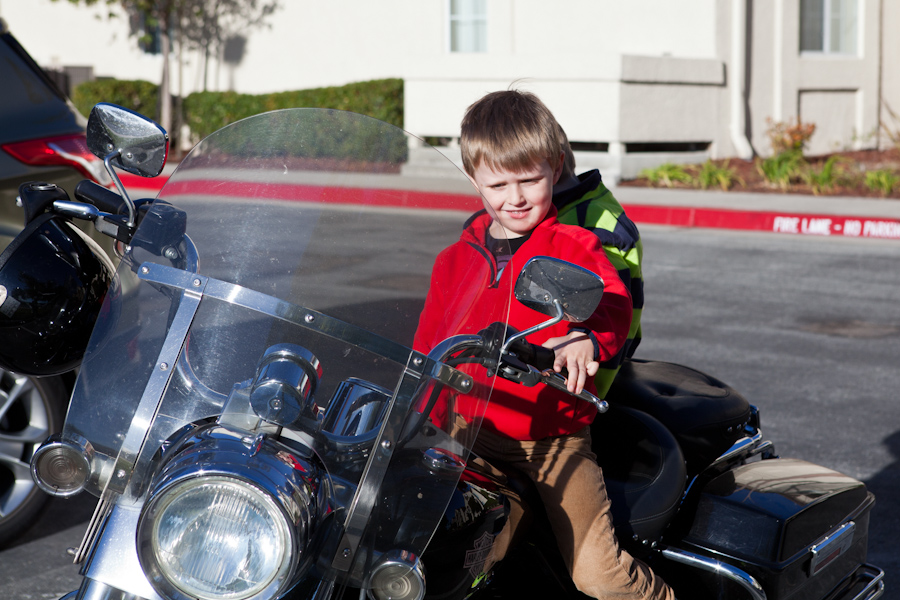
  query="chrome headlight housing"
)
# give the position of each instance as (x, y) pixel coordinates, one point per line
(227, 520)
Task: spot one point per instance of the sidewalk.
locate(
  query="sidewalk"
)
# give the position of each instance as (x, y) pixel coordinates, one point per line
(778, 213)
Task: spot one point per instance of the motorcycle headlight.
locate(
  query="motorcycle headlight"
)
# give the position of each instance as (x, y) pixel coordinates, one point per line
(217, 537)
(220, 525)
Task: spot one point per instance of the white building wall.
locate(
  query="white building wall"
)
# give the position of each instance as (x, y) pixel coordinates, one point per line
(613, 71)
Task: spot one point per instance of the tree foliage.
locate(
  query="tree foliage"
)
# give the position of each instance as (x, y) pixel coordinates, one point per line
(212, 27)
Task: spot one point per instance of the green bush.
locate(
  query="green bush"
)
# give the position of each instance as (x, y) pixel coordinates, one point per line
(883, 181)
(710, 174)
(206, 112)
(140, 96)
(783, 168)
(667, 174)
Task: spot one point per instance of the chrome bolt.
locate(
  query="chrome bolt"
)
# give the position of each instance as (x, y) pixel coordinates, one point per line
(309, 318)
(164, 366)
(145, 270)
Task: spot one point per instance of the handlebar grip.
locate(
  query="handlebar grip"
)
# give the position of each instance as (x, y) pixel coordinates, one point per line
(104, 199)
(537, 356)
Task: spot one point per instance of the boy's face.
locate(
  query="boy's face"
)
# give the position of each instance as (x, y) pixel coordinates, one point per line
(520, 200)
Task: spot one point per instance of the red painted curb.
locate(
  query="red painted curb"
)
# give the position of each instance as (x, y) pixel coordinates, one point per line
(678, 216)
(798, 223)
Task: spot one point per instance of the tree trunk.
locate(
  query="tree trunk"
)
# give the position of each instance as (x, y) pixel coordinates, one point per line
(165, 94)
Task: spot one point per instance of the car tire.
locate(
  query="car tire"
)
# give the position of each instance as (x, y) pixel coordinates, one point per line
(31, 409)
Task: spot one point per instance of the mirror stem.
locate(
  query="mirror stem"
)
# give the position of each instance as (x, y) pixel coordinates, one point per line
(556, 319)
(107, 162)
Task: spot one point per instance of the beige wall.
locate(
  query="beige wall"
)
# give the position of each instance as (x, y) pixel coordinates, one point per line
(613, 72)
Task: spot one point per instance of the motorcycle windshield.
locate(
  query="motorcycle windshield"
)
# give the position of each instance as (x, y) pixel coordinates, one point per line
(284, 244)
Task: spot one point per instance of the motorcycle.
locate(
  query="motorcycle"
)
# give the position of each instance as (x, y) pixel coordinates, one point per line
(230, 463)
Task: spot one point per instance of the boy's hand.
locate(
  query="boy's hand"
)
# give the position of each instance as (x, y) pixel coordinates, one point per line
(575, 352)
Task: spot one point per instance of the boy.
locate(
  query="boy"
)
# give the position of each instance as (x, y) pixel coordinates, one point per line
(585, 201)
(512, 152)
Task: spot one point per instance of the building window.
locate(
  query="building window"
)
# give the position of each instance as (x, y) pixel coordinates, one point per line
(828, 26)
(468, 25)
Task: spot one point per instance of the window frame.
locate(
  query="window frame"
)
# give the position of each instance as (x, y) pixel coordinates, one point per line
(473, 19)
(826, 32)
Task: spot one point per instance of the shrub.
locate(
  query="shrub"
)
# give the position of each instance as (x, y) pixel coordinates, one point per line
(782, 169)
(139, 96)
(710, 174)
(788, 137)
(206, 112)
(883, 181)
(667, 174)
(825, 178)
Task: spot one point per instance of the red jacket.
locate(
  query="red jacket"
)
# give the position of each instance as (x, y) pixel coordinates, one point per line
(465, 297)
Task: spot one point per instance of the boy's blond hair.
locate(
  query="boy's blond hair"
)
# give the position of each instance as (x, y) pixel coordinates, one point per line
(568, 169)
(509, 130)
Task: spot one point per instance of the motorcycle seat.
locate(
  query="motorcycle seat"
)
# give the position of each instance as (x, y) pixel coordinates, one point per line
(704, 414)
(644, 471)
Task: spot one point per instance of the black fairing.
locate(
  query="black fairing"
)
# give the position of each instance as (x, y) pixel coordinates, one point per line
(53, 279)
(456, 554)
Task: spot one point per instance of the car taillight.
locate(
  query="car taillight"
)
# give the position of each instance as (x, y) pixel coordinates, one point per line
(64, 150)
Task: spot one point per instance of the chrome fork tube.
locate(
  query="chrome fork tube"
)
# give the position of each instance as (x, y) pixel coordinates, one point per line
(94, 590)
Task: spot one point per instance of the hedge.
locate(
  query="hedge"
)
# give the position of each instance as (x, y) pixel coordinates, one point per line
(139, 96)
(206, 112)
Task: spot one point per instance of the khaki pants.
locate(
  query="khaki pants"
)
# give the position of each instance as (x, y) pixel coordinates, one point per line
(570, 484)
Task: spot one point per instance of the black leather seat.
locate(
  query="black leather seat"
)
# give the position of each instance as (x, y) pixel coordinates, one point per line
(644, 471)
(704, 414)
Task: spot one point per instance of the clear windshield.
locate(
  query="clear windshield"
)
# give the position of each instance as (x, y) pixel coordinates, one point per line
(282, 229)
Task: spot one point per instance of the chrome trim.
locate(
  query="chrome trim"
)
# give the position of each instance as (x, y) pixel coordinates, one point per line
(741, 578)
(560, 314)
(95, 590)
(107, 162)
(73, 455)
(367, 494)
(306, 318)
(114, 560)
(822, 551)
(159, 378)
(287, 480)
(384, 573)
(744, 445)
(875, 587)
(101, 512)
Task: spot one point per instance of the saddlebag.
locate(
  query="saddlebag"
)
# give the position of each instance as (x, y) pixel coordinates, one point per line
(800, 529)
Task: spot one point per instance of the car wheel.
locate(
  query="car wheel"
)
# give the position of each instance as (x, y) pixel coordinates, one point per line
(31, 409)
